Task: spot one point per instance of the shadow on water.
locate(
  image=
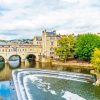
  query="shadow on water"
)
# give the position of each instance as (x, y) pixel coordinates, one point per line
(2, 65)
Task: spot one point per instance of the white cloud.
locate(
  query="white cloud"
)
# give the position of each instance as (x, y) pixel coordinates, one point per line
(3, 37)
(70, 1)
(66, 16)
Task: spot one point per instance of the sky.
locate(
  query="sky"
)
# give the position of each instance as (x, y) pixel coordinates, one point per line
(21, 19)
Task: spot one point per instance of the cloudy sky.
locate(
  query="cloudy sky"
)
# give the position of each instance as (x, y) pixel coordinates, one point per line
(26, 18)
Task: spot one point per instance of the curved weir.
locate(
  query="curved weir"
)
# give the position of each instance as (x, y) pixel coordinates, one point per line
(42, 80)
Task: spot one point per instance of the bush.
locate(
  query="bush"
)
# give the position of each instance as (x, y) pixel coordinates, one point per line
(95, 59)
(85, 45)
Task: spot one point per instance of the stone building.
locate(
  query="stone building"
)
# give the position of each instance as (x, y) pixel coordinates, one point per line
(48, 42)
(37, 40)
(23, 51)
(42, 47)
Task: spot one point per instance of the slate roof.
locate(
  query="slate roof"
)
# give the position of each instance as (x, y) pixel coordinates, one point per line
(51, 33)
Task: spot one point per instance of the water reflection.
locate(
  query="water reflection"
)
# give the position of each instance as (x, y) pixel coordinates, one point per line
(5, 72)
(5, 69)
(2, 65)
(14, 64)
(14, 61)
(29, 63)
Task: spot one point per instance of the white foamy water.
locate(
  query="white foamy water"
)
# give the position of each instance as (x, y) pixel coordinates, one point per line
(71, 96)
(40, 84)
(53, 92)
(47, 88)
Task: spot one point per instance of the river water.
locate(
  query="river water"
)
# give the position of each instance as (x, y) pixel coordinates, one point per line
(6, 69)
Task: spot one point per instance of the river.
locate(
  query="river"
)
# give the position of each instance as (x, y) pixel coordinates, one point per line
(92, 91)
(6, 69)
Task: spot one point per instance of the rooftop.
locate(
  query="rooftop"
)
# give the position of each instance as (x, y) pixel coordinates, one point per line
(38, 38)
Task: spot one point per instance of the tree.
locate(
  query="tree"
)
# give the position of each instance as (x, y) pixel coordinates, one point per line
(65, 48)
(95, 59)
(85, 45)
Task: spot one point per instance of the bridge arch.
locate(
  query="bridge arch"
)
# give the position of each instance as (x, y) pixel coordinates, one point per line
(14, 61)
(14, 58)
(31, 57)
(2, 62)
(2, 59)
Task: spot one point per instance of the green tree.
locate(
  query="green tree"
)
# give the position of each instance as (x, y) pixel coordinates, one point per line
(85, 45)
(95, 59)
(65, 48)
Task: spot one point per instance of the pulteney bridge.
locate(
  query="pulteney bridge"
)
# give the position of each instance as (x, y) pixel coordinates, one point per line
(23, 51)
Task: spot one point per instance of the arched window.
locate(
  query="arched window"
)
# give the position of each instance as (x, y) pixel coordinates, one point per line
(2, 50)
(51, 43)
(51, 48)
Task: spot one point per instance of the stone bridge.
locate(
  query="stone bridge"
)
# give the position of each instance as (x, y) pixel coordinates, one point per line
(6, 51)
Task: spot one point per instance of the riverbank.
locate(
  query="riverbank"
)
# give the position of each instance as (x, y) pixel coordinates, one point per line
(80, 64)
(73, 63)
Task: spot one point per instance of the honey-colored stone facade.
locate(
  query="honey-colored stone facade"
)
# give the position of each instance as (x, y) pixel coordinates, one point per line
(22, 50)
(49, 42)
(42, 47)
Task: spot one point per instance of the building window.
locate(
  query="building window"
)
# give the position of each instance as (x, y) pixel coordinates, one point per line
(51, 52)
(51, 38)
(58, 36)
(2, 50)
(57, 44)
(51, 48)
(51, 43)
(14, 49)
(52, 57)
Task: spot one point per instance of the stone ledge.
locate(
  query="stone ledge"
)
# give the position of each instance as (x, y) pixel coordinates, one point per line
(84, 65)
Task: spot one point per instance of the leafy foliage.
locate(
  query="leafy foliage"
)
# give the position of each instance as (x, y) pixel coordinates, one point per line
(85, 45)
(65, 48)
(95, 59)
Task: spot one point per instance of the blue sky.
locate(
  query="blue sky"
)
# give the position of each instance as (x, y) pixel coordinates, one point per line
(26, 18)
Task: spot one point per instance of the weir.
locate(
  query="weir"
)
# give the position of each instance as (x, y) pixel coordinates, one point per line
(19, 78)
